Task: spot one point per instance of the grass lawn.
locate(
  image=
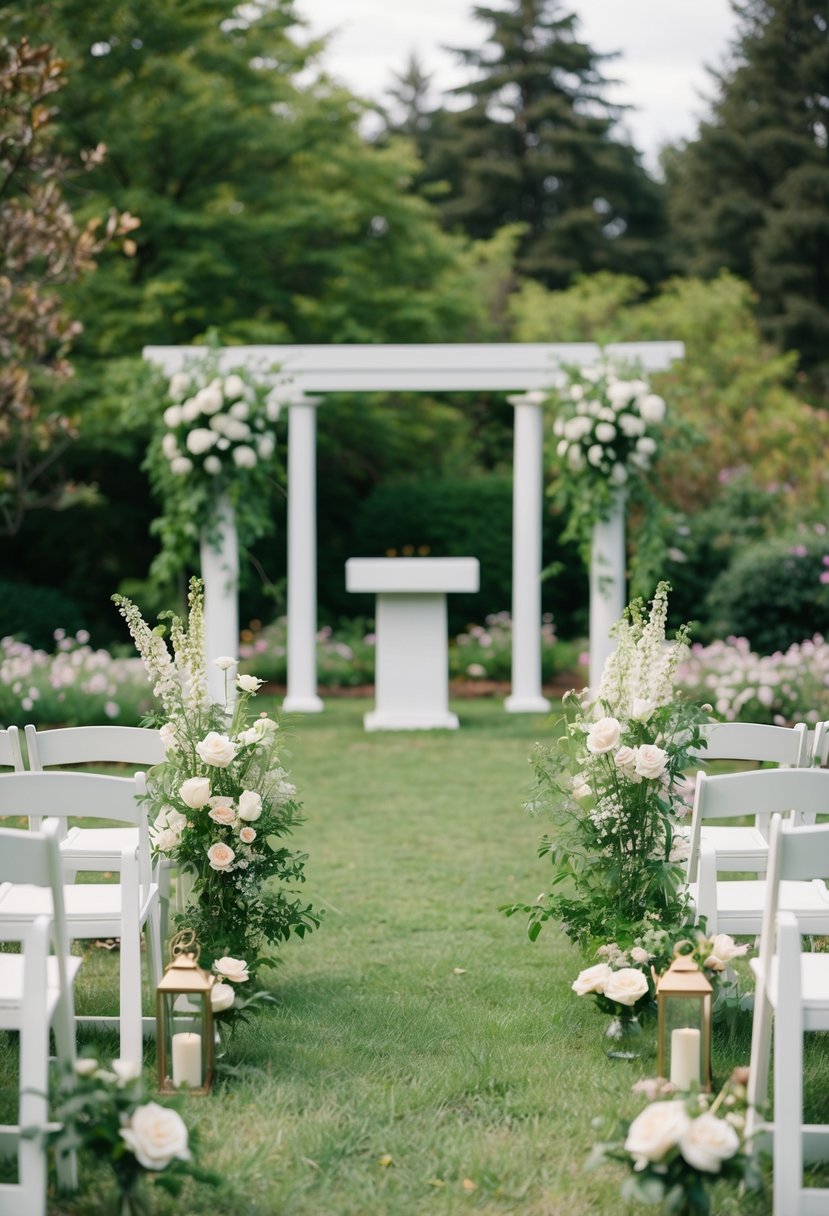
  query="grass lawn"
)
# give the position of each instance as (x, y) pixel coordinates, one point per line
(424, 1057)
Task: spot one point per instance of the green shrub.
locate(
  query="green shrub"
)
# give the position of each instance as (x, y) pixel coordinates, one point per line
(471, 517)
(33, 613)
(774, 593)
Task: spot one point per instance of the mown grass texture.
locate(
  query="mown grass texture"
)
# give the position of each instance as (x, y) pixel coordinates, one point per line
(424, 1056)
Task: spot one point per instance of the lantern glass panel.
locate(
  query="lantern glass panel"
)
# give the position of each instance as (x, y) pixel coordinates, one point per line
(684, 1031)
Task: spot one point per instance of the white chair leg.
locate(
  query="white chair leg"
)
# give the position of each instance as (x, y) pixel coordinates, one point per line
(788, 1073)
(64, 1028)
(153, 939)
(758, 1075)
(33, 1113)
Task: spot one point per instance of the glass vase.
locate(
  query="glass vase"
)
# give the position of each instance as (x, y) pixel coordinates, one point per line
(624, 1037)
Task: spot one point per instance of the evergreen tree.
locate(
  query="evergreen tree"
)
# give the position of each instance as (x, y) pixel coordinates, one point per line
(751, 193)
(537, 146)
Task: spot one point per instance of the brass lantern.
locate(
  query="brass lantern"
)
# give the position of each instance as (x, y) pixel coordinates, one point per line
(184, 1020)
(683, 1001)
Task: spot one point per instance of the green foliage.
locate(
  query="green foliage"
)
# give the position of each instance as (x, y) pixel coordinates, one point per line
(774, 593)
(30, 613)
(750, 192)
(537, 146)
(484, 652)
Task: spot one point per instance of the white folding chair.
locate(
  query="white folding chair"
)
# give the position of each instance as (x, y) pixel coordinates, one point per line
(117, 909)
(35, 994)
(100, 848)
(792, 987)
(10, 753)
(745, 847)
(736, 906)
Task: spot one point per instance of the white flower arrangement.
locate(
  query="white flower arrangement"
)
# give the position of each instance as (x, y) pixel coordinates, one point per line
(216, 437)
(221, 802)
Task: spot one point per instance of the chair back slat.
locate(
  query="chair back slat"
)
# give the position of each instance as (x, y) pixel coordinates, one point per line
(11, 755)
(70, 795)
(93, 745)
(756, 741)
(768, 792)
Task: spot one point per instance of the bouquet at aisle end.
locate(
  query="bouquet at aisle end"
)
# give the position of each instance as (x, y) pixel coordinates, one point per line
(222, 803)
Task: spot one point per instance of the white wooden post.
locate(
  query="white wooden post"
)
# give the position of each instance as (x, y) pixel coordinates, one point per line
(220, 572)
(527, 505)
(607, 585)
(301, 696)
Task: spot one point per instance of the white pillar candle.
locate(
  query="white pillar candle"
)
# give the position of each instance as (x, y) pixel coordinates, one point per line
(685, 1047)
(187, 1060)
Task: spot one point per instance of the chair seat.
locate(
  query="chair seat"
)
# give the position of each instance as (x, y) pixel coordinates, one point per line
(11, 986)
(91, 908)
(740, 904)
(98, 845)
(814, 981)
(737, 848)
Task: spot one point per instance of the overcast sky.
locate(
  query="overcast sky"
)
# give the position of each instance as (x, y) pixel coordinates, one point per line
(665, 46)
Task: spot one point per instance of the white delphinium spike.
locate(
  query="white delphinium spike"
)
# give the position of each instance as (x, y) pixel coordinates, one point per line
(194, 650)
(156, 658)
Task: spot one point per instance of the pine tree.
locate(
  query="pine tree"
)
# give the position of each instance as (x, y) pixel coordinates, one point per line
(751, 193)
(537, 146)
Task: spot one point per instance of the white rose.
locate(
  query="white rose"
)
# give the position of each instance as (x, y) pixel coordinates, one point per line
(164, 840)
(222, 997)
(707, 1142)
(241, 409)
(85, 1066)
(180, 465)
(195, 792)
(630, 425)
(655, 1131)
(172, 417)
(167, 735)
(234, 386)
(723, 950)
(250, 806)
(210, 399)
(606, 432)
(603, 735)
(126, 1071)
(244, 457)
(593, 979)
(200, 440)
(650, 761)
(176, 822)
(641, 709)
(261, 728)
(247, 835)
(625, 760)
(156, 1136)
(216, 750)
(190, 410)
(626, 986)
(652, 408)
(265, 447)
(646, 445)
(235, 429)
(179, 385)
(212, 465)
(220, 856)
(249, 683)
(169, 446)
(595, 454)
(619, 393)
(225, 662)
(618, 474)
(234, 969)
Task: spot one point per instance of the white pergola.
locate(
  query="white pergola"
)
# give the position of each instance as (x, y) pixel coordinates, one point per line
(525, 370)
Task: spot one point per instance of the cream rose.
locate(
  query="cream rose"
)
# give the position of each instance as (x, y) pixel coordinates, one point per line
(625, 760)
(250, 806)
(247, 835)
(222, 996)
(593, 979)
(224, 815)
(626, 986)
(85, 1066)
(234, 969)
(707, 1142)
(260, 730)
(249, 683)
(167, 735)
(723, 950)
(126, 1071)
(652, 408)
(216, 750)
(195, 792)
(603, 735)
(641, 709)
(650, 761)
(156, 1136)
(655, 1131)
(220, 856)
(224, 662)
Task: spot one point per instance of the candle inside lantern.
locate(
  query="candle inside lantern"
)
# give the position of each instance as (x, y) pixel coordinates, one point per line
(685, 1056)
(187, 1064)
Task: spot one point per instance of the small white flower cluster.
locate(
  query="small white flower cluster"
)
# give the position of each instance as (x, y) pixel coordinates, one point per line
(607, 424)
(217, 426)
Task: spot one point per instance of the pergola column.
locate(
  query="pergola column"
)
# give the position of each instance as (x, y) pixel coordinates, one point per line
(301, 696)
(219, 558)
(527, 503)
(607, 585)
